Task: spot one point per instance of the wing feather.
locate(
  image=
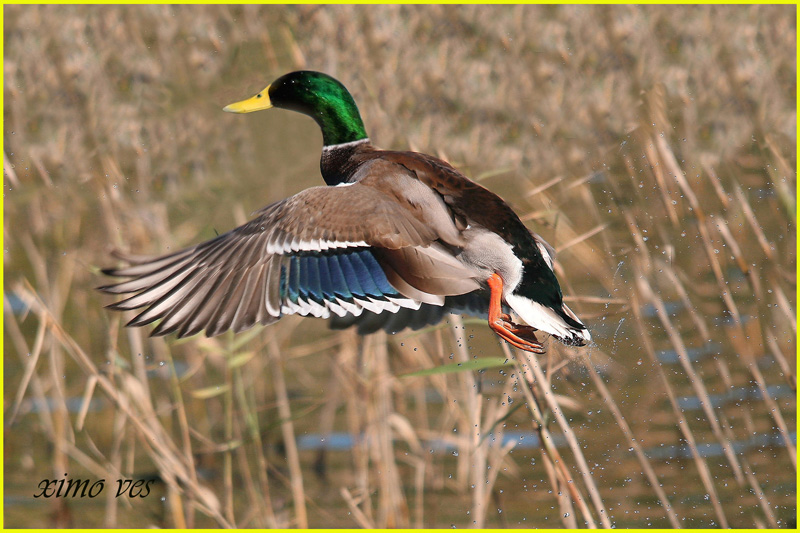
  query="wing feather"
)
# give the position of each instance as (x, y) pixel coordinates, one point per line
(317, 252)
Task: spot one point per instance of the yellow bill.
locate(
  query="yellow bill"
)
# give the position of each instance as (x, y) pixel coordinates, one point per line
(256, 103)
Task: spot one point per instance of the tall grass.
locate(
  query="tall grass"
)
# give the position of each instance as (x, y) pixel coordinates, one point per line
(654, 147)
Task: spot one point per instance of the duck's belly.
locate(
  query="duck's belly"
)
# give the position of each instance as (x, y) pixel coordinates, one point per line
(486, 253)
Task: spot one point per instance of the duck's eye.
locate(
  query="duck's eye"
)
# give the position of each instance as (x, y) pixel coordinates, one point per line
(259, 95)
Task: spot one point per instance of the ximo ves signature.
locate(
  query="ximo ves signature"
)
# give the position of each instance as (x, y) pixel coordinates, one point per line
(77, 488)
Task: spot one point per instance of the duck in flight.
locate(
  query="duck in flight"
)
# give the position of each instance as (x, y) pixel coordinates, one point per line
(395, 238)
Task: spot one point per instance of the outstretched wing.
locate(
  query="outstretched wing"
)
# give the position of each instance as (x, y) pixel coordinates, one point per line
(317, 253)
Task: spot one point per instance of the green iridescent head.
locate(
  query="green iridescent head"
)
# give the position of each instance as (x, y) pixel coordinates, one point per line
(314, 94)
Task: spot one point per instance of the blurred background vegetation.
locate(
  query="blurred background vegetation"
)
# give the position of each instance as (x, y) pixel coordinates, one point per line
(653, 146)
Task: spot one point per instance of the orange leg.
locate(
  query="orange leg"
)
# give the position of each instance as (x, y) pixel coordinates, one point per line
(522, 337)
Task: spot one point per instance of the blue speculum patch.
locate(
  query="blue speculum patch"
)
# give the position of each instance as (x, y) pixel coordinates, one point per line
(321, 276)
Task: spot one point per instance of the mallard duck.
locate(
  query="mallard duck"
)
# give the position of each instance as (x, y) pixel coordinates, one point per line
(392, 232)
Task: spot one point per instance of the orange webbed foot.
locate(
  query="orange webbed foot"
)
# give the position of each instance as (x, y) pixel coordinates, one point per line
(520, 336)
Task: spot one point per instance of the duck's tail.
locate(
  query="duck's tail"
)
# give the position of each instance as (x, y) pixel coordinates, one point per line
(562, 323)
